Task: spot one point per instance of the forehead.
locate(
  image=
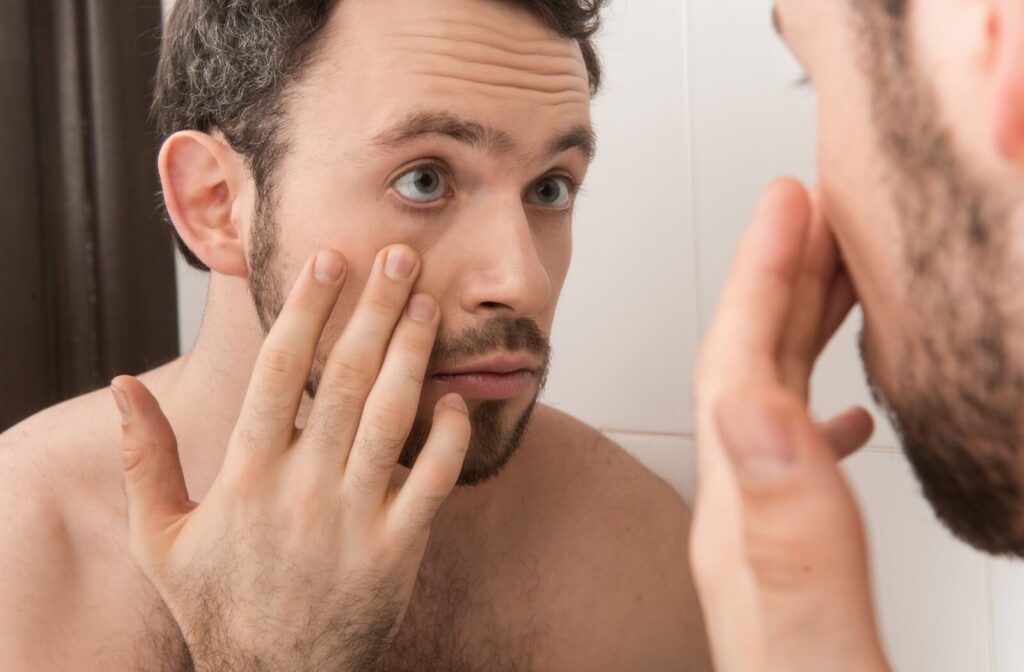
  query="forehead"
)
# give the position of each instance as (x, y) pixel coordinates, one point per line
(382, 60)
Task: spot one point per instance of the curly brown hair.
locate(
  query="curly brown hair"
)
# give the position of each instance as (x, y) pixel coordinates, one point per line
(227, 65)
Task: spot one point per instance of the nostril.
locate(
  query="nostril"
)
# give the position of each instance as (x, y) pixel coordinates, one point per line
(495, 305)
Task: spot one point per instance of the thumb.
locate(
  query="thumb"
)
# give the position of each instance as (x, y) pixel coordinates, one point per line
(154, 483)
(802, 534)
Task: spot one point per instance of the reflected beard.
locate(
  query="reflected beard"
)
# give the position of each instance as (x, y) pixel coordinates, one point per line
(955, 395)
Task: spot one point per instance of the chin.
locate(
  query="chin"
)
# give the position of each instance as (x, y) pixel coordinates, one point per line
(961, 434)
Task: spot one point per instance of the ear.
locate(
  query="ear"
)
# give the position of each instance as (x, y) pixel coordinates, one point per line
(1007, 31)
(205, 187)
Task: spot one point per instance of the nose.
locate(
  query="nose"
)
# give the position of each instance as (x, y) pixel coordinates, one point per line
(507, 273)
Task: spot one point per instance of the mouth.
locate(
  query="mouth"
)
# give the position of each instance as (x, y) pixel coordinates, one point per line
(493, 379)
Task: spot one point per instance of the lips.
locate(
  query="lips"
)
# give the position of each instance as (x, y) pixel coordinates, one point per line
(492, 379)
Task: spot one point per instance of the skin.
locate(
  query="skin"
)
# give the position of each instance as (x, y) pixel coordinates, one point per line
(569, 559)
(776, 525)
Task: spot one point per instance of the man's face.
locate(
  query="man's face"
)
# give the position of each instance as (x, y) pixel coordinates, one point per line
(460, 128)
(924, 213)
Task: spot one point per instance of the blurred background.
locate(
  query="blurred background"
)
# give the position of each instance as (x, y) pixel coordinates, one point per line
(701, 109)
(86, 274)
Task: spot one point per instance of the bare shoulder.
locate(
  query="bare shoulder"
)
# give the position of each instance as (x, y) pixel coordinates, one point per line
(604, 473)
(624, 534)
(63, 557)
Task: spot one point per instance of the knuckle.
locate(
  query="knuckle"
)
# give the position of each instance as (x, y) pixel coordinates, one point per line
(305, 302)
(778, 563)
(349, 374)
(383, 305)
(379, 455)
(388, 420)
(280, 362)
(418, 340)
(344, 412)
(427, 502)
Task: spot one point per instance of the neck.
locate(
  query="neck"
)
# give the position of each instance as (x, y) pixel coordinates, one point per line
(202, 392)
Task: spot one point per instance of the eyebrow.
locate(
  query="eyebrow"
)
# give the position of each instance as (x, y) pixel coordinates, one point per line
(479, 136)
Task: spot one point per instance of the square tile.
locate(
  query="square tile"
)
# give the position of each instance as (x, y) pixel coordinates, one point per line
(930, 589)
(1007, 595)
(671, 457)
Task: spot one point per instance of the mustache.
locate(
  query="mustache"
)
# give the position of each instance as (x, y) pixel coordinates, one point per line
(497, 333)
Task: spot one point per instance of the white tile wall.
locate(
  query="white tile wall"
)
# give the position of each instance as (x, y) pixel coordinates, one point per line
(1007, 602)
(627, 322)
(698, 113)
(931, 591)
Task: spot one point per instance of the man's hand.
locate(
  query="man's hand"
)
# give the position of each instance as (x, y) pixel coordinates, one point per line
(304, 553)
(778, 549)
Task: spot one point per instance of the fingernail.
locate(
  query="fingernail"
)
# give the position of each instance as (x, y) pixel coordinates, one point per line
(123, 405)
(328, 267)
(421, 308)
(757, 440)
(456, 402)
(399, 264)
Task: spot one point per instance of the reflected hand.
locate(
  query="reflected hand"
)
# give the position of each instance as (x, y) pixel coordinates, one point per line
(777, 547)
(304, 553)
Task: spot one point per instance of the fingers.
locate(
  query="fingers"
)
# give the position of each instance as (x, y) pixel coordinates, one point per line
(436, 470)
(355, 360)
(393, 403)
(755, 303)
(841, 299)
(848, 432)
(154, 483)
(801, 530)
(800, 345)
(267, 420)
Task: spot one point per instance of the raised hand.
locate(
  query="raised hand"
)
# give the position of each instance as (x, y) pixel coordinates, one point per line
(304, 553)
(777, 546)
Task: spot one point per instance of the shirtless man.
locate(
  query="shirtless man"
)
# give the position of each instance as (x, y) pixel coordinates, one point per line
(359, 177)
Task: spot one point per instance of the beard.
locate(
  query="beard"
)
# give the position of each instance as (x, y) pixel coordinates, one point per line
(494, 438)
(955, 395)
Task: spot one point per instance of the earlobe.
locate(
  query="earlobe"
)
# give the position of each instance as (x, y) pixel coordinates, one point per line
(202, 179)
(1009, 79)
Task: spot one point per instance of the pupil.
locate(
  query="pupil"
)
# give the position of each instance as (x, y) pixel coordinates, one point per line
(548, 192)
(427, 182)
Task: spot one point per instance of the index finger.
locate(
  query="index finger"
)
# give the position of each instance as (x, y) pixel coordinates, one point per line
(752, 313)
(272, 400)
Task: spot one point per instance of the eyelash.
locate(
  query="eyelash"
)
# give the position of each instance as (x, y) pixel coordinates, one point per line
(428, 210)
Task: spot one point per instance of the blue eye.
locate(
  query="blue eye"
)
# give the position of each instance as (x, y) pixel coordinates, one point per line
(551, 192)
(422, 185)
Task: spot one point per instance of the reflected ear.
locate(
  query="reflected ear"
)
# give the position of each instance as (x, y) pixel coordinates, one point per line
(204, 185)
(1007, 30)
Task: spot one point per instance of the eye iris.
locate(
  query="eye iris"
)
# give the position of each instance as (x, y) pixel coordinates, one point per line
(549, 191)
(426, 181)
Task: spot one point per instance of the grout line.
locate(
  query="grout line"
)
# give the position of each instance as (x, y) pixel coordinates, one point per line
(644, 432)
(993, 651)
(691, 167)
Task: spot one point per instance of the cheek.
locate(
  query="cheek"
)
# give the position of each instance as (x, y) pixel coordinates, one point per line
(553, 242)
